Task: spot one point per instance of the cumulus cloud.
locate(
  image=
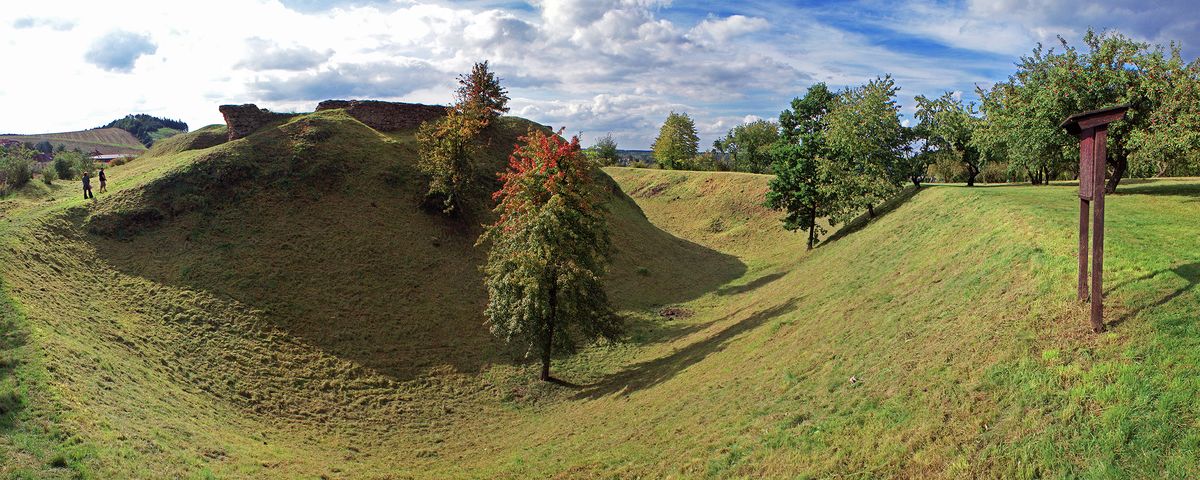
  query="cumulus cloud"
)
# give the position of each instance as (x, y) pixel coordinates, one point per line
(315, 6)
(369, 80)
(118, 50)
(57, 24)
(263, 54)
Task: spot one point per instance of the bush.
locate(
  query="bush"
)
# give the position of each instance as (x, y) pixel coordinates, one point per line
(16, 168)
(118, 162)
(64, 164)
(48, 176)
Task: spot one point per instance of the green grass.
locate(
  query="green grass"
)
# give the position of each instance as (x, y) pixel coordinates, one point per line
(279, 307)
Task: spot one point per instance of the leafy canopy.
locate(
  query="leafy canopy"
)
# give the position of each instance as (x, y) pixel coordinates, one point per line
(548, 250)
(677, 142)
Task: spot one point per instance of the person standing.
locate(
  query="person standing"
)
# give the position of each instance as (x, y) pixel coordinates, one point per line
(87, 187)
(103, 181)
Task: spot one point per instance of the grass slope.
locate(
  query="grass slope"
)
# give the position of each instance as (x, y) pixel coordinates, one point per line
(108, 141)
(277, 307)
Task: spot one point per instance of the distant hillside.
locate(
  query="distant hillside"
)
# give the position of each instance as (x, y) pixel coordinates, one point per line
(108, 141)
(148, 129)
(627, 156)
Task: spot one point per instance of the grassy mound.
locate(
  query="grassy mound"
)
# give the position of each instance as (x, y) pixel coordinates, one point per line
(285, 288)
(289, 311)
(206, 137)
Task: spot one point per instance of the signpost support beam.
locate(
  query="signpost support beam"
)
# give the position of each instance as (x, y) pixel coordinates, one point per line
(1101, 137)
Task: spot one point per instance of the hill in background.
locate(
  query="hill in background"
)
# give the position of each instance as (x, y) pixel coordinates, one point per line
(107, 141)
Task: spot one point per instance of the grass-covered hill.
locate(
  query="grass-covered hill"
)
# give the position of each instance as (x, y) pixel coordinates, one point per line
(280, 307)
(108, 141)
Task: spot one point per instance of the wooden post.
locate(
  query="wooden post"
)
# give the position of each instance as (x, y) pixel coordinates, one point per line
(1086, 181)
(1101, 137)
(1092, 130)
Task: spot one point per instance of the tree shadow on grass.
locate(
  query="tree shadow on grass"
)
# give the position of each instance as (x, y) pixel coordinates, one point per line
(653, 372)
(1189, 272)
(1158, 187)
(753, 285)
(860, 222)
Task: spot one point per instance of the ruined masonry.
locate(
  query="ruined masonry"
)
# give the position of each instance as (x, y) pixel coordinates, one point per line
(243, 120)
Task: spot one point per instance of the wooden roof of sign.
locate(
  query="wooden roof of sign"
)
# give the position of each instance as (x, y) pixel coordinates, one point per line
(1094, 118)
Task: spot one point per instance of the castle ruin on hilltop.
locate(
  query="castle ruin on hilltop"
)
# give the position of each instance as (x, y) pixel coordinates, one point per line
(243, 120)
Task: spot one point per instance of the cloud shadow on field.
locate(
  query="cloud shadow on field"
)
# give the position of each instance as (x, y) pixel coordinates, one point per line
(652, 372)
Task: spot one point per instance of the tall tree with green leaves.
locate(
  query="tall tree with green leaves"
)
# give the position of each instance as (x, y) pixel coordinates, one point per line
(866, 142)
(480, 94)
(801, 186)
(548, 250)
(947, 126)
(677, 142)
(749, 146)
(605, 150)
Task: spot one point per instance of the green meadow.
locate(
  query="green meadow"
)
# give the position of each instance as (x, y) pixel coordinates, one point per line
(279, 307)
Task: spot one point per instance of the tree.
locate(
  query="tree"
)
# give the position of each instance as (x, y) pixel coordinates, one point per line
(677, 141)
(947, 126)
(447, 147)
(548, 249)
(606, 150)
(801, 184)
(749, 146)
(1023, 113)
(866, 142)
(67, 164)
(480, 94)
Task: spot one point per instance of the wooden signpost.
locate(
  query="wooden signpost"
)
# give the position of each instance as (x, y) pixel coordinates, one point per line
(1092, 130)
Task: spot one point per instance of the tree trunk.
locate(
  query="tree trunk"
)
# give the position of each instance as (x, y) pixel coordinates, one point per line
(916, 182)
(1120, 165)
(550, 329)
(972, 172)
(812, 227)
(870, 211)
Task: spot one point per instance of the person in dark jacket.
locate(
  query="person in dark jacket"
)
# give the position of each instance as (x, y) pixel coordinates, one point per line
(87, 187)
(103, 181)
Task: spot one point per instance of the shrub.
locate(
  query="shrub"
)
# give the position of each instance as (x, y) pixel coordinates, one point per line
(16, 168)
(64, 164)
(118, 162)
(48, 176)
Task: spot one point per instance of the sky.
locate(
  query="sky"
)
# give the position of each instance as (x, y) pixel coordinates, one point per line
(593, 67)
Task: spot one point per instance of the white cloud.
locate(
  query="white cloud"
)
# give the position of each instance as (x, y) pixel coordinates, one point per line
(595, 66)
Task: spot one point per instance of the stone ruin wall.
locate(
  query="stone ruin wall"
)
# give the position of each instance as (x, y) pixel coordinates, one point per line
(243, 120)
(386, 116)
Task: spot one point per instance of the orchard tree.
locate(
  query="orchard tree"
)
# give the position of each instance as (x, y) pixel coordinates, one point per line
(605, 150)
(677, 142)
(866, 142)
(1023, 113)
(801, 186)
(946, 127)
(480, 94)
(749, 146)
(548, 250)
(447, 147)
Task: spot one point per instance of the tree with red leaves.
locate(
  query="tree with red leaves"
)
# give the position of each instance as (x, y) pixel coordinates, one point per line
(549, 248)
(480, 94)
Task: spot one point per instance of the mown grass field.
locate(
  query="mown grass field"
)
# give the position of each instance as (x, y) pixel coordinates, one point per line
(105, 140)
(278, 307)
